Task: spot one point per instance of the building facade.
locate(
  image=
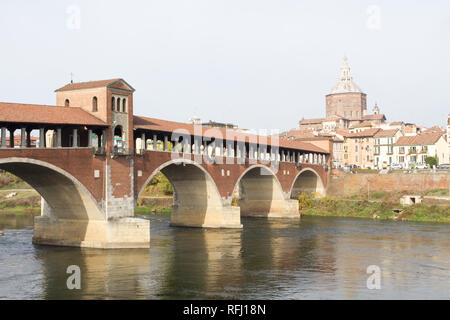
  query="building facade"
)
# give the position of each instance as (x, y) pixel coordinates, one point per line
(384, 147)
(412, 150)
(359, 148)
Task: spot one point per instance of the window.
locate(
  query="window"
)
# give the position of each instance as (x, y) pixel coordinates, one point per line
(124, 105)
(356, 148)
(94, 104)
(118, 105)
(113, 104)
(351, 113)
(67, 103)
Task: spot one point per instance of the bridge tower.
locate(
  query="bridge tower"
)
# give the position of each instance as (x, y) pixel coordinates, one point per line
(111, 101)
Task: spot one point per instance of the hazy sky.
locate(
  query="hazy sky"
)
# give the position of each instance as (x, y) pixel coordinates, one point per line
(256, 63)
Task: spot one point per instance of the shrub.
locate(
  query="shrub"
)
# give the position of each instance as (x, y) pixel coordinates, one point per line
(304, 201)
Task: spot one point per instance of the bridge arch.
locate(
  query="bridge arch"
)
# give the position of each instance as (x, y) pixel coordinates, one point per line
(307, 180)
(260, 192)
(197, 201)
(65, 197)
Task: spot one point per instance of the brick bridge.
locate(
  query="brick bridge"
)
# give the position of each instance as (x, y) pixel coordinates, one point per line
(93, 159)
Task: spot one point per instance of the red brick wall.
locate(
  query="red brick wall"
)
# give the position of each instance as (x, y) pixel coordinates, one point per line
(80, 163)
(225, 184)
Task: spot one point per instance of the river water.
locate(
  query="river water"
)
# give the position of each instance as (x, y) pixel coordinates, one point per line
(315, 258)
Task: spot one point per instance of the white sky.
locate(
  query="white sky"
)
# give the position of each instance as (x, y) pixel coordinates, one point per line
(256, 63)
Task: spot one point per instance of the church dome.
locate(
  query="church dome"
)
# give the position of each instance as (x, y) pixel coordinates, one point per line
(345, 83)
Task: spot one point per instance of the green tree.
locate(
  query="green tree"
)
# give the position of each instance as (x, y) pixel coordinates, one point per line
(431, 161)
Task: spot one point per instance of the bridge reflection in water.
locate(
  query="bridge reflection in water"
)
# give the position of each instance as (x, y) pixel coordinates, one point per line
(267, 259)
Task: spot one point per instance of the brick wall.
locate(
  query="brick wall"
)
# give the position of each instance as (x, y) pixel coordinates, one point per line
(349, 184)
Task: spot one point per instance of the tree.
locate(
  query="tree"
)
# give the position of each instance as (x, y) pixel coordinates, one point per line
(431, 161)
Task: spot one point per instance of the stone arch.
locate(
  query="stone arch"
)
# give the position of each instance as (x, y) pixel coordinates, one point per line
(197, 201)
(65, 196)
(307, 180)
(260, 192)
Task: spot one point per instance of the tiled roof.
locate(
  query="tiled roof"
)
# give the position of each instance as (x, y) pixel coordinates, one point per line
(421, 139)
(364, 124)
(364, 133)
(90, 84)
(386, 133)
(170, 126)
(396, 123)
(32, 113)
(311, 121)
(374, 117)
(299, 134)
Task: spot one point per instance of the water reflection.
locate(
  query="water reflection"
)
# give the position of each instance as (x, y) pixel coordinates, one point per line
(267, 259)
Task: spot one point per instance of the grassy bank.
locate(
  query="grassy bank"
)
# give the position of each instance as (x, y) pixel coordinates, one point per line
(380, 207)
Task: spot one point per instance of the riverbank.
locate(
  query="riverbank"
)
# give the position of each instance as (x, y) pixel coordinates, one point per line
(383, 206)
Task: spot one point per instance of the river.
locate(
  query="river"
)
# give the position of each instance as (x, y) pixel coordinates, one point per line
(315, 258)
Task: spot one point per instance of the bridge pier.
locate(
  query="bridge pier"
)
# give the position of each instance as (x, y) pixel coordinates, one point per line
(279, 208)
(225, 216)
(113, 233)
(105, 234)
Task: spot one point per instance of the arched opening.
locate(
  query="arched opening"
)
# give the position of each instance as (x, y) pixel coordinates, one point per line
(118, 105)
(196, 199)
(258, 192)
(307, 181)
(65, 197)
(124, 105)
(67, 103)
(118, 142)
(94, 104)
(113, 104)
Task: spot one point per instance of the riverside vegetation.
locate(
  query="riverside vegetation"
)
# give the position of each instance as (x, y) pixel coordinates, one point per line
(157, 198)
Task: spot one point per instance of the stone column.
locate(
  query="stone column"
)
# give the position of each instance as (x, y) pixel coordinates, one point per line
(41, 138)
(3, 145)
(155, 142)
(75, 138)
(90, 138)
(166, 143)
(23, 138)
(143, 142)
(104, 139)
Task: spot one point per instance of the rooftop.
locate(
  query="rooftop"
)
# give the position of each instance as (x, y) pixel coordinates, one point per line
(33, 113)
(119, 83)
(386, 133)
(420, 139)
(187, 128)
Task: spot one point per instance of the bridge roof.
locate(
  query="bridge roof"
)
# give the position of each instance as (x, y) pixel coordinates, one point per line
(145, 123)
(33, 113)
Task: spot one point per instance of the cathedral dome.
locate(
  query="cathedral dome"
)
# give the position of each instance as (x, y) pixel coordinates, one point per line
(345, 83)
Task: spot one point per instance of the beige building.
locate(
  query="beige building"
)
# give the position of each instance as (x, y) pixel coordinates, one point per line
(384, 147)
(412, 150)
(359, 148)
